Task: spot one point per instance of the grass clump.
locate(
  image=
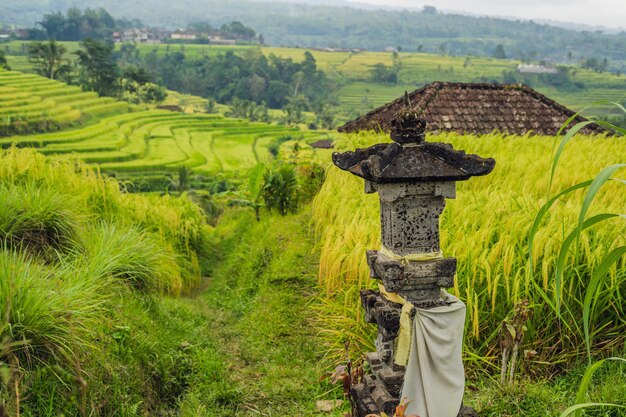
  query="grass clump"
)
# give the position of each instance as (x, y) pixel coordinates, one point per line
(76, 253)
(38, 219)
(131, 256)
(42, 311)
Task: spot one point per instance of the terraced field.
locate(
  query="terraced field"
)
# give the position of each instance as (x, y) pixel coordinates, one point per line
(118, 139)
(352, 71)
(29, 102)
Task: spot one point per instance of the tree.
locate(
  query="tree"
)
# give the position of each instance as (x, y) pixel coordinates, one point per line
(595, 64)
(98, 70)
(3, 61)
(499, 52)
(238, 30)
(380, 73)
(294, 110)
(326, 117)
(78, 25)
(48, 59)
(184, 172)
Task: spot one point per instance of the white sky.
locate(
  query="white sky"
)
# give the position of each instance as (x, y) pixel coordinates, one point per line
(609, 13)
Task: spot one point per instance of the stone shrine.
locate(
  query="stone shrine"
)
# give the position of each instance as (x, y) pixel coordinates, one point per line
(413, 178)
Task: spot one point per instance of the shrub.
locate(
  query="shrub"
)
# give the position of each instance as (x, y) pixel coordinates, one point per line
(280, 191)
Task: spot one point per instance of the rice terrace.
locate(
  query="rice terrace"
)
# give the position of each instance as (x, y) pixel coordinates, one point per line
(312, 208)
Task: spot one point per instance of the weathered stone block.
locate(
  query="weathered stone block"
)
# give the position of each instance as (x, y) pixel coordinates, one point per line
(362, 401)
(409, 214)
(418, 282)
(392, 376)
(383, 399)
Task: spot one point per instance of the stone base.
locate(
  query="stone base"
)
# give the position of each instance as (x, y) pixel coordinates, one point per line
(380, 391)
(419, 282)
(391, 377)
(364, 404)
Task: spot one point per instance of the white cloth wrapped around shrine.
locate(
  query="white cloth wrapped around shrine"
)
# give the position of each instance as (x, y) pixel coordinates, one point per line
(434, 380)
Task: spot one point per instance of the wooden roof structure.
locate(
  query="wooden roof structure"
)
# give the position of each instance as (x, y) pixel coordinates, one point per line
(478, 108)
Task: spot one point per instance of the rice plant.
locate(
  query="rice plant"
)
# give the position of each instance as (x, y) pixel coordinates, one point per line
(487, 228)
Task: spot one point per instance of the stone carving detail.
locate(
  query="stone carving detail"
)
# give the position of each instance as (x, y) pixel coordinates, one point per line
(412, 178)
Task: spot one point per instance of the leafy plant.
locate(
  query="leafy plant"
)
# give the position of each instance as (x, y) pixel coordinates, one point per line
(585, 383)
(280, 191)
(612, 257)
(255, 187)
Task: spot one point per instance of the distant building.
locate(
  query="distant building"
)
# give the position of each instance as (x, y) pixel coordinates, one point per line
(220, 40)
(184, 35)
(141, 35)
(21, 33)
(536, 69)
(476, 108)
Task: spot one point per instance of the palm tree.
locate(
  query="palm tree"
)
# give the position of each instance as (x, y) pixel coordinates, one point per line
(48, 58)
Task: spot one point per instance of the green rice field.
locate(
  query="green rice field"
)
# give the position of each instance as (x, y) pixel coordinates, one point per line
(351, 71)
(120, 138)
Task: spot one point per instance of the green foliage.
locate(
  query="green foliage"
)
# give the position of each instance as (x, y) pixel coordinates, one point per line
(380, 73)
(595, 64)
(184, 173)
(584, 387)
(3, 61)
(244, 109)
(38, 219)
(280, 191)
(77, 25)
(499, 52)
(48, 59)
(98, 70)
(256, 184)
(35, 302)
(240, 79)
(136, 93)
(132, 257)
(274, 145)
(294, 110)
(71, 243)
(238, 30)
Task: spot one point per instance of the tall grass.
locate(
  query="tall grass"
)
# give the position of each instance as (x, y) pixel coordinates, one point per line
(487, 228)
(71, 242)
(43, 309)
(38, 218)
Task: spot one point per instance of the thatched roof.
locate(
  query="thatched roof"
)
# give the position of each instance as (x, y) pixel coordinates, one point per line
(476, 108)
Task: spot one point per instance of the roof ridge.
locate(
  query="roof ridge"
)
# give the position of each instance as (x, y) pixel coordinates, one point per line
(430, 94)
(538, 113)
(381, 109)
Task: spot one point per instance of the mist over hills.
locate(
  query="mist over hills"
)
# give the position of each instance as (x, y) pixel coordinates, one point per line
(341, 24)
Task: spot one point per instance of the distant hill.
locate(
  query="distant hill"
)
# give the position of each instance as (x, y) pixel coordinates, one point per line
(291, 24)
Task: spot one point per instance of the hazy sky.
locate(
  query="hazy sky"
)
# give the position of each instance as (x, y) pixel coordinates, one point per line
(609, 13)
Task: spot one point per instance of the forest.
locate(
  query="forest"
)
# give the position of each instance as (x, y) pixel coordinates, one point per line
(311, 25)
